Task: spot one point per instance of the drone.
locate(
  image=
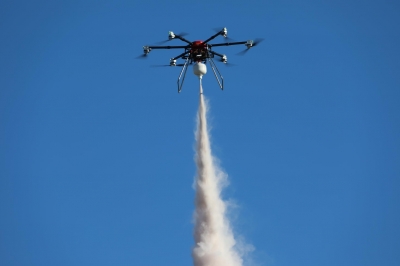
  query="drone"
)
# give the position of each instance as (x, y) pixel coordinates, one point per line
(199, 53)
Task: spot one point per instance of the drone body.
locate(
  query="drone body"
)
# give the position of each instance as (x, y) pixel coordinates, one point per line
(199, 53)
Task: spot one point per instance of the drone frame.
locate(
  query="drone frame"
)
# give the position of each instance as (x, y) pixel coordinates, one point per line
(199, 51)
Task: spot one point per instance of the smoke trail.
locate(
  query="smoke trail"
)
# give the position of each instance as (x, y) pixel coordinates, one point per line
(214, 240)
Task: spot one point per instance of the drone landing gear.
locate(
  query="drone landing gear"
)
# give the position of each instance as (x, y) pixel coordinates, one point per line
(218, 76)
(214, 68)
(200, 70)
(182, 75)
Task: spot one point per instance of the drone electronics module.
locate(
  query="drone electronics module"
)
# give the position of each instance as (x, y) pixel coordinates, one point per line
(199, 53)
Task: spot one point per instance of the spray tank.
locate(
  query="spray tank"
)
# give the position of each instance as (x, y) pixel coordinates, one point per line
(200, 69)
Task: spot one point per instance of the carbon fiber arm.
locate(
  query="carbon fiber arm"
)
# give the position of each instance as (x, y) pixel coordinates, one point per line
(226, 44)
(181, 55)
(169, 47)
(212, 37)
(182, 39)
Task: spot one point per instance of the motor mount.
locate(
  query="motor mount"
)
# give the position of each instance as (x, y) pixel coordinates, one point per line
(224, 32)
(146, 50)
(224, 59)
(249, 44)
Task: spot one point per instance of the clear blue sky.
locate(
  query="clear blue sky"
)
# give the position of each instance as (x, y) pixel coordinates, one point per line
(96, 148)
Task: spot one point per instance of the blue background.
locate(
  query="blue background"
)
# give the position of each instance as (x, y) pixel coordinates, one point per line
(96, 147)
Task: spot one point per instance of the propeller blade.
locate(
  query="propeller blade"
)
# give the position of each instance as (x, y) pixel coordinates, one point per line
(159, 65)
(162, 42)
(229, 39)
(227, 63)
(257, 41)
(180, 35)
(226, 39)
(218, 29)
(166, 65)
(143, 56)
(243, 52)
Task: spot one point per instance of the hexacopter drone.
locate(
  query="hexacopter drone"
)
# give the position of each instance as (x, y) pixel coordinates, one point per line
(199, 52)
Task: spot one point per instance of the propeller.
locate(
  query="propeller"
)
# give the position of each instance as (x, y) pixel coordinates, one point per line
(143, 56)
(218, 29)
(167, 65)
(223, 59)
(180, 35)
(255, 42)
(227, 63)
(146, 51)
(228, 39)
(225, 38)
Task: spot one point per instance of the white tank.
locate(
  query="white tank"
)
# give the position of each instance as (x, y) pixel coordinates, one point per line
(199, 69)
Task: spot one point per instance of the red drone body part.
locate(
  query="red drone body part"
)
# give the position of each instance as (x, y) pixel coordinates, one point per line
(198, 51)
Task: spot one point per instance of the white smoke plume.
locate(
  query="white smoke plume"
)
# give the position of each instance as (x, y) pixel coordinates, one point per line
(214, 239)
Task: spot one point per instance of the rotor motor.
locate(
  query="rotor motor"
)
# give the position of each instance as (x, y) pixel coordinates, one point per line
(224, 32)
(249, 44)
(146, 50)
(224, 59)
(172, 62)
